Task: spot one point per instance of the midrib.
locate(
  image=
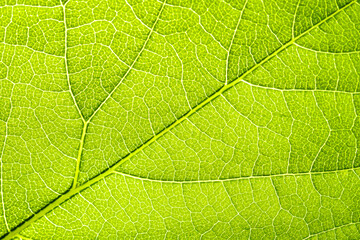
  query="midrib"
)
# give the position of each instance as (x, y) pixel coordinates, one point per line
(111, 170)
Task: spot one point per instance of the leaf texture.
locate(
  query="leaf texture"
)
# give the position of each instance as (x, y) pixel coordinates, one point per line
(169, 119)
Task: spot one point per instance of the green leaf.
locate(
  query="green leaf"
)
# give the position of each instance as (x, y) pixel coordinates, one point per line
(214, 119)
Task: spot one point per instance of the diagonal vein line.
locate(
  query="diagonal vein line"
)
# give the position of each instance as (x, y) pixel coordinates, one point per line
(232, 41)
(238, 178)
(73, 191)
(78, 160)
(132, 65)
(329, 230)
(67, 68)
(86, 123)
(222, 90)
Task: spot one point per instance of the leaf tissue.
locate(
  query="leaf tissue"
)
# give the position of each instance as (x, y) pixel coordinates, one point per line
(180, 119)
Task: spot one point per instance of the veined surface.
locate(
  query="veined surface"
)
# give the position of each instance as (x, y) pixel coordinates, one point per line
(136, 119)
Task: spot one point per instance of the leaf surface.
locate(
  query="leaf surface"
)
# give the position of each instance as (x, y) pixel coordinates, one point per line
(180, 119)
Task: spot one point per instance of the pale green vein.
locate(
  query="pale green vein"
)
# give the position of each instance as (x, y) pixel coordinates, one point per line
(111, 170)
(32, 49)
(237, 178)
(1, 164)
(21, 237)
(32, 6)
(67, 68)
(294, 20)
(78, 160)
(332, 229)
(1, 176)
(132, 65)
(324, 52)
(232, 41)
(296, 90)
(77, 107)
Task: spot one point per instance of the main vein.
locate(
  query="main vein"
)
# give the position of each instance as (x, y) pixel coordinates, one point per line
(74, 190)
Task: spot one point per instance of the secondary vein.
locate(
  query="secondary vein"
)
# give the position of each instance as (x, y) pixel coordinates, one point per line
(67, 68)
(132, 65)
(237, 178)
(78, 160)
